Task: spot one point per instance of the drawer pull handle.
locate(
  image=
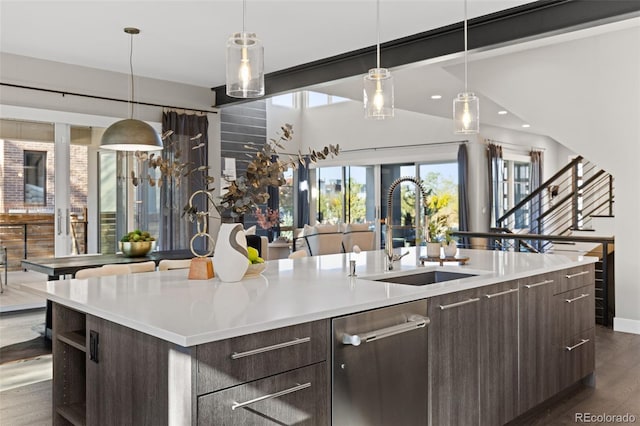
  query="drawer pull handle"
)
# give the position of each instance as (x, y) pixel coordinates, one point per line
(502, 293)
(455, 305)
(538, 284)
(270, 396)
(413, 322)
(577, 275)
(582, 342)
(296, 341)
(582, 296)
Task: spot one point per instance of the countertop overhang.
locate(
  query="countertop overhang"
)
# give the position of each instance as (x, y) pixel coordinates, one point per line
(190, 312)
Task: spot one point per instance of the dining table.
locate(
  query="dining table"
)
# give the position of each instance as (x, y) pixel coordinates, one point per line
(56, 267)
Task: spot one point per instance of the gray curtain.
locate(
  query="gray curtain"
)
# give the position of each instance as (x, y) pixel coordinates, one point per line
(463, 195)
(177, 231)
(535, 207)
(496, 171)
(303, 195)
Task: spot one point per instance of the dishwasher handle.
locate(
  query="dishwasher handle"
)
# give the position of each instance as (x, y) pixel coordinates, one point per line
(413, 323)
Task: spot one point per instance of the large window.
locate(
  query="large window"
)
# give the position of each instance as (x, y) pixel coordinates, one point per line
(330, 194)
(516, 187)
(35, 177)
(353, 202)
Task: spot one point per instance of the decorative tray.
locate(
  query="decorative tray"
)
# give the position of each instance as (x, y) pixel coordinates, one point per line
(442, 260)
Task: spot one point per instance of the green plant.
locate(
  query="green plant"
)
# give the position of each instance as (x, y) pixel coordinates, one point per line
(437, 228)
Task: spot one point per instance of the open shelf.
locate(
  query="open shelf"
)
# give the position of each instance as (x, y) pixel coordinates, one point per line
(76, 338)
(74, 413)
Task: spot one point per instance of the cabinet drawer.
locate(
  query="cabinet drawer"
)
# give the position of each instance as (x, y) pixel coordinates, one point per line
(575, 311)
(577, 277)
(298, 397)
(241, 359)
(577, 357)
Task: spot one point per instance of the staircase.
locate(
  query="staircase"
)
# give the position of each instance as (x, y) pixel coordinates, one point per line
(565, 203)
(576, 201)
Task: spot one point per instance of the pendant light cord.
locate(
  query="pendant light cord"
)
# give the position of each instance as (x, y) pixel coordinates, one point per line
(465, 46)
(131, 70)
(378, 33)
(244, 12)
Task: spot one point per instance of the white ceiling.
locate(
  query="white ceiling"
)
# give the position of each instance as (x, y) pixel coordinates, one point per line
(184, 41)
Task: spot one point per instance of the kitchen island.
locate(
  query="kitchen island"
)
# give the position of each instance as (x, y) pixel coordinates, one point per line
(156, 348)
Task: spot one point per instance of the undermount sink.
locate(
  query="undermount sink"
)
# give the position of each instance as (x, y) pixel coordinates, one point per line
(424, 278)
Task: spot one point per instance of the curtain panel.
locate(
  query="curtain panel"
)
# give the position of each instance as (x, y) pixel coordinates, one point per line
(496, 177)
(463, 193)
(183, 146)
(535, 206)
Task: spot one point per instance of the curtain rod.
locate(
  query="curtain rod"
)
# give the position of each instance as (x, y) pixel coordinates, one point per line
(104, 98)
(532, 148)
(417, 145)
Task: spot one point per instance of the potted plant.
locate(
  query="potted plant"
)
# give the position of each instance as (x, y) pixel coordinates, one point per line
(435, 234)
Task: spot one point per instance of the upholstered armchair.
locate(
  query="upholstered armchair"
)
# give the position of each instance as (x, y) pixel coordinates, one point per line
(358, 234)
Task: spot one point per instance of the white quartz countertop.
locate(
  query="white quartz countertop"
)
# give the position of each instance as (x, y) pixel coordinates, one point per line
(189, 312)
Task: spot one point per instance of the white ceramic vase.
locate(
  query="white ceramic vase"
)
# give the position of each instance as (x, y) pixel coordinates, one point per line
(230, 258)
(433, 249)
(450, 249)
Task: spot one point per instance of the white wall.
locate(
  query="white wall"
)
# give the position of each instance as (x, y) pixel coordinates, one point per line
(587, 95)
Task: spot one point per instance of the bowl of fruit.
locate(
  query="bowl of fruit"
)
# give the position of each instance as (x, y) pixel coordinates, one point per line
(256, 263)
(137, 243)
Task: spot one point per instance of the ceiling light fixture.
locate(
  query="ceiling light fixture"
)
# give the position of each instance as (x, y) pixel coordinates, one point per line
(466, 107)
(245, 63)
(378, 85)
(130, 134)
(436, 96)
(526, 126)
(502, 112)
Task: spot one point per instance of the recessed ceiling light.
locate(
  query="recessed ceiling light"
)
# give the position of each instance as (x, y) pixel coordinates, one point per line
(502, 112)
(526, 126)
(436, 96)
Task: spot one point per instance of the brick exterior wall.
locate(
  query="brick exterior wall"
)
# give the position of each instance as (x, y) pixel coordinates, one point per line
(12, 179)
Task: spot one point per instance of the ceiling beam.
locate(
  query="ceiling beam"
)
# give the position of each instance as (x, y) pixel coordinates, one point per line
(526, 21)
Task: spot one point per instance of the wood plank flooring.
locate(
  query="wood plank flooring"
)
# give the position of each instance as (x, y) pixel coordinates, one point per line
(617, 388)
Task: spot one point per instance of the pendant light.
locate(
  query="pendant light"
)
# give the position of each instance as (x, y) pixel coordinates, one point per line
(245, 63)
(378, 85)
(130, 134)
(466, 107)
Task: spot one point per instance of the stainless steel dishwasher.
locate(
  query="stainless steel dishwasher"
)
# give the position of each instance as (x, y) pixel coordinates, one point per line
(379, 367)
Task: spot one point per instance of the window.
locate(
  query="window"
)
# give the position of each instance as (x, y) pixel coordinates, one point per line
(316, 99)
(516, 187)
(35, 177)
(330, 195)
(287, 100)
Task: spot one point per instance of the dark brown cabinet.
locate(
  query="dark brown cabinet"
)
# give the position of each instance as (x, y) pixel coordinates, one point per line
(128, 380)
(454, 358)
(575, 325)
(498, 347)
(538, 356)
(297, 397)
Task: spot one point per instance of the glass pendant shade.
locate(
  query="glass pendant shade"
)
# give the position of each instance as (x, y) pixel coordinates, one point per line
(245, 66)
(466, 113)
(378, 94)
(131, 135)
